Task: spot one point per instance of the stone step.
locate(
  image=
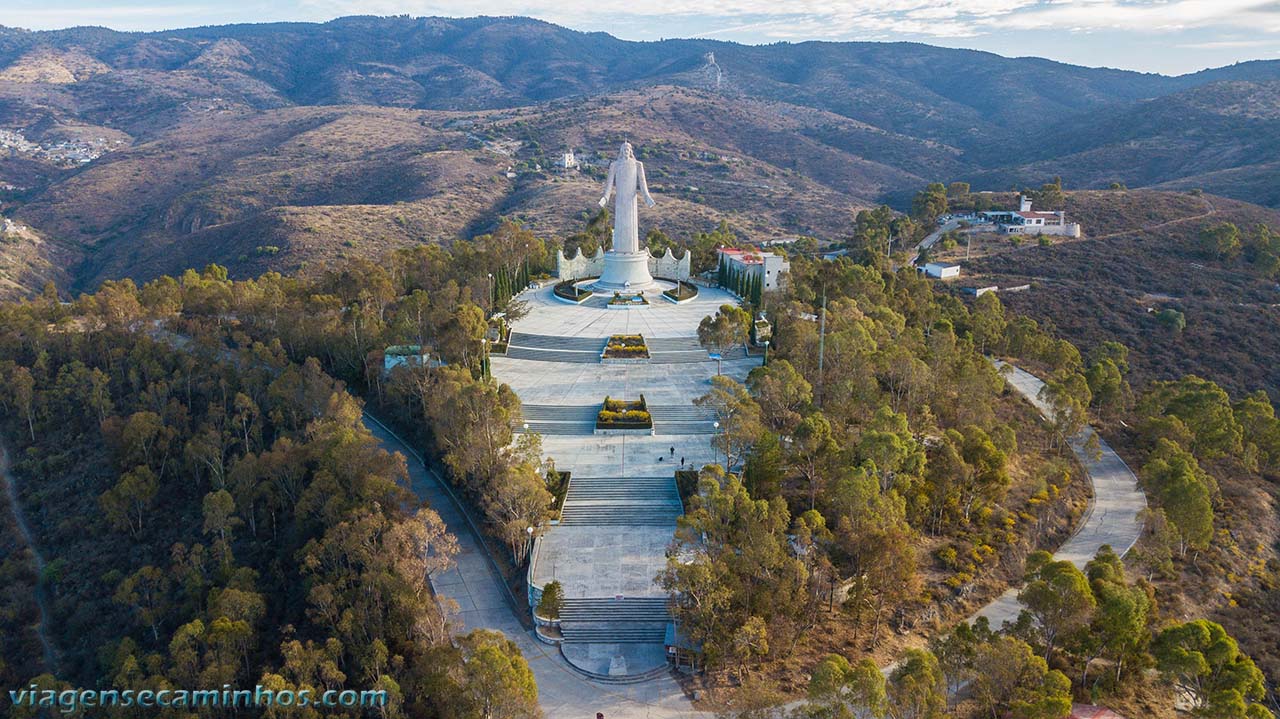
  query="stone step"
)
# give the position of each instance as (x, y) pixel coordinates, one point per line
(557, 428)
(622, 497)
(619, 615)
(612, 519)
(661, 412)
(678, 357)
(622, 513)
(674, 344)
(547, 355)
(560, 411)
(613, 632)
(677, 428)
(554, 342)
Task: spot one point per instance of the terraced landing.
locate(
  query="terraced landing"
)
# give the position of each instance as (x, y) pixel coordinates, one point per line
(668, 419)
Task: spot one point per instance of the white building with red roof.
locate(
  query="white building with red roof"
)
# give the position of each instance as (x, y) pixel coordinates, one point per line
(768, 266)
(1025, 221)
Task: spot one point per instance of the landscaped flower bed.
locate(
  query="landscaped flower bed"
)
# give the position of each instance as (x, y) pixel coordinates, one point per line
(626, 347)
(626, 300)
(682, 291)
(623, 414)
(568, 290)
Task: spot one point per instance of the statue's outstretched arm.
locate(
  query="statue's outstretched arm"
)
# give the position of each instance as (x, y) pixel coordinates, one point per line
(644, 185)
(608, 184)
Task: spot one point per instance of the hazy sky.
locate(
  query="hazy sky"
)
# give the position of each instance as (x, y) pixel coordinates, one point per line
(1168, 36)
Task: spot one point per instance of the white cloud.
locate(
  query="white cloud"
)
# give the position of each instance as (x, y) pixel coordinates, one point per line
(790, 19)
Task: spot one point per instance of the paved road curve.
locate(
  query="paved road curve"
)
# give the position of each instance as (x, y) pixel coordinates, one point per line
(483, 604)
(1113, 517)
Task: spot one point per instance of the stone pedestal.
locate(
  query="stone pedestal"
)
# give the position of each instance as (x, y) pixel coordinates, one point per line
(625, 272)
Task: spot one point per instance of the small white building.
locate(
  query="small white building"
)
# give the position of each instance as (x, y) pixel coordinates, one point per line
(767, 265)
(942, 270)
(406, 356)
(568, 161)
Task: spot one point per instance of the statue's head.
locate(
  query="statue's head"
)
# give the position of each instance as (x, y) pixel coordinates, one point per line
(625, 151)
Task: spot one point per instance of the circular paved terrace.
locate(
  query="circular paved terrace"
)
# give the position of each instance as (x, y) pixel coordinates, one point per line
(549, 315)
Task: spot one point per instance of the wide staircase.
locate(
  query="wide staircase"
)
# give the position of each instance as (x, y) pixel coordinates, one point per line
(550, 348)
(618, 502)
(557, 419)
(682, 419)
(630, 620)
(675, 350)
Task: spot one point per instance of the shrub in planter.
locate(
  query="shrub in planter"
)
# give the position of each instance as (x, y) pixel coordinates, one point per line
(552, 601)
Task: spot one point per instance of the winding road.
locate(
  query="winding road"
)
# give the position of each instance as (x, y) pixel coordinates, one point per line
(1114, 515)
(485, 602)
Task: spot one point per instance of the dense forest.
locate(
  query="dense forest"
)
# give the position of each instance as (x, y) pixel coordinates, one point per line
(192, 458)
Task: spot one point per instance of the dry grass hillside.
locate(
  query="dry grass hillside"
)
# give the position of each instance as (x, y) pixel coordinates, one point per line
(1149, 257)
(289, 188)
(138, 153)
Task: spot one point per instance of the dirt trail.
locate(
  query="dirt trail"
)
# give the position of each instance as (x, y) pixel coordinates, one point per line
(20, 521)
(1209, 211)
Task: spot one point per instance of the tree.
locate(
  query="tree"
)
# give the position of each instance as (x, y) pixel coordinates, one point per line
(1205, 409)
(917, 689)
(1172, 319)
(812, 451)
(929, 203)
(1119, 630)
(1068, 398)
(838, 690)
(1012, 681)
(738, 415)
(1184, 492)
(764, 470)
(552, 600)
(782, 393)
(750, 642)
(988, 322)
(127, 503)
(1220, 241)
(890, 446)
(147, 592)
(728, 328)
(23, 386)
(494, 679)
(1057, 596)
(733, 561)
(1204, 663)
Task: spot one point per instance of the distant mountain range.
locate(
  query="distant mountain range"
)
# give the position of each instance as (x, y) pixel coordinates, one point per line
(278, 145)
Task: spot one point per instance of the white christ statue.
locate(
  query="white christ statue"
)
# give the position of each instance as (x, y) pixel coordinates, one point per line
(626, 266)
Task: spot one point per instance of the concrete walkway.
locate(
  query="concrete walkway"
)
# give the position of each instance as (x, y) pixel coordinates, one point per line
(1113, 516)
(483, 603)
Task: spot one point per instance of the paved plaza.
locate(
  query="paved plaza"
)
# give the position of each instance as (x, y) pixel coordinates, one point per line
(621, 510)
(551, 316)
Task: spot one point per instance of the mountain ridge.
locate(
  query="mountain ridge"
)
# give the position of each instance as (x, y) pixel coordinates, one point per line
(181, 132)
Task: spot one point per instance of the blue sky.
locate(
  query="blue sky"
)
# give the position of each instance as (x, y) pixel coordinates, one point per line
(1167, 36)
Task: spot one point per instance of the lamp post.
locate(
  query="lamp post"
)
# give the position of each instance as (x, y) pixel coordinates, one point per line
(529, 544)
(766, 352)
(491, 298)
(484, 357)
(526, 428)
(726, 447)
